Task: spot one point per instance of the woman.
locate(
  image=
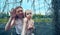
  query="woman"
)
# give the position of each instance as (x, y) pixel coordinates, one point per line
(16, 19)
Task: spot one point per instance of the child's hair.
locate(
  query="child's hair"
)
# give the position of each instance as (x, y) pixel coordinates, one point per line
(27, 11)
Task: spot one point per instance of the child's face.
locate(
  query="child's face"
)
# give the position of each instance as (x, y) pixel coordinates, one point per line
(28, 14)
(19, 12)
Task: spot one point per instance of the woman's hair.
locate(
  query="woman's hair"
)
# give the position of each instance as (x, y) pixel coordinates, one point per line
(18, 7)
(14, 10)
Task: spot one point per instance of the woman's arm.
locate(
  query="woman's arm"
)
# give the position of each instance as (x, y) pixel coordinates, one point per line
(9, 23)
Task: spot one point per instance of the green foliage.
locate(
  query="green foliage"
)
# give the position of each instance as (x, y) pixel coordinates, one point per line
(40, 16)
(4, 15)
(36, 18)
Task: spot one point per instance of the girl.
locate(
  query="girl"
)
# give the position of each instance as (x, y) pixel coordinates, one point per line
(16, 19)
(28, 25)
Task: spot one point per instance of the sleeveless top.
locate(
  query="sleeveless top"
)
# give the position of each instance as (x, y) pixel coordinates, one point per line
(18, 26)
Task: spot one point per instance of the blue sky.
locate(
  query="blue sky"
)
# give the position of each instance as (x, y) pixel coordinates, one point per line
(26, 5)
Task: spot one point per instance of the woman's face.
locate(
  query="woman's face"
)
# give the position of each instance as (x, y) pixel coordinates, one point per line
(19, 12)
(28, 14)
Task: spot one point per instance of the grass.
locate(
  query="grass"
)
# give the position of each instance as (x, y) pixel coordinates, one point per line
(3, 20)
(43, 20)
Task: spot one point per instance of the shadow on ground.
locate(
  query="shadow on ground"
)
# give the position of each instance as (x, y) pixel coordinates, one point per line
(41, 28)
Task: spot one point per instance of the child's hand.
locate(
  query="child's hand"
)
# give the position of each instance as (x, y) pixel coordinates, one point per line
(30, 26)
(13, 14)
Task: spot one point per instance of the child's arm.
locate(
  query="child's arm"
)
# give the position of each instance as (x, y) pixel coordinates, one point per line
(9, 23)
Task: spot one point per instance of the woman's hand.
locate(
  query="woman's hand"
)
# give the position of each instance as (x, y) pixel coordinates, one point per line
(13, 14)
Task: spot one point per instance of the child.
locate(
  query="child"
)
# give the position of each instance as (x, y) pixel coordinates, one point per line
(16, 19)
(28, 25)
